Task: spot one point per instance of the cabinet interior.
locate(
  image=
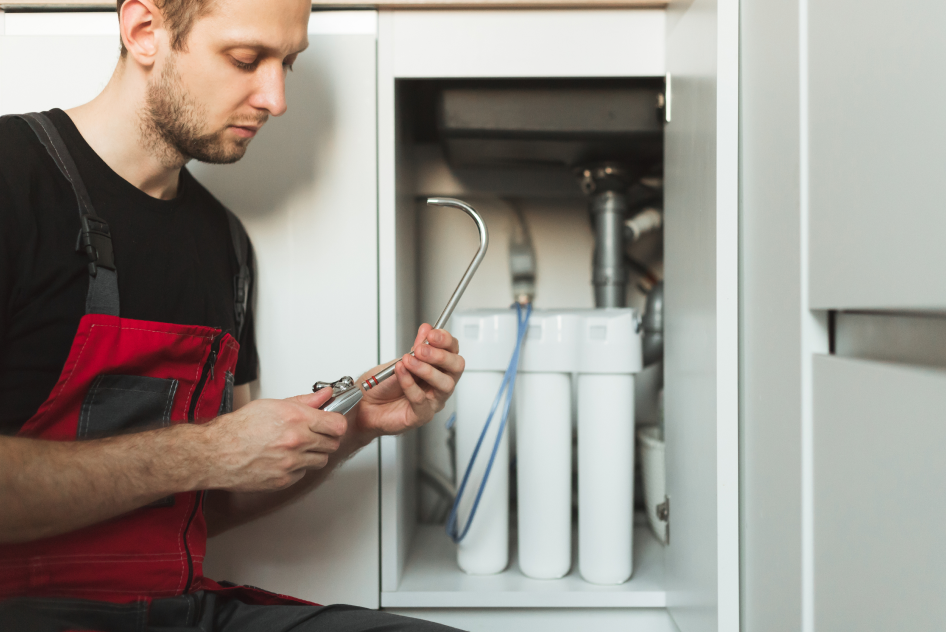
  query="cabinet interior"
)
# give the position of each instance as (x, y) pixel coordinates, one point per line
(503, 147)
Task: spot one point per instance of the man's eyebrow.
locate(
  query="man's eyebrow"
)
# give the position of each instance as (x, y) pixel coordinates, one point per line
(260, 46)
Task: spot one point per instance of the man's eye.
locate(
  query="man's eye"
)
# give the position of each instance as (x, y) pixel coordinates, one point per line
(242, 65)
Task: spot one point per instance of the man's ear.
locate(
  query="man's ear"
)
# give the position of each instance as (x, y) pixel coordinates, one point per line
(142, 30)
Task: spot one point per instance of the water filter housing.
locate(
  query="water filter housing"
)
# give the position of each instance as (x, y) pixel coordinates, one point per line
(487, 339)
(544, 443)
(609, 356)
(601, 349)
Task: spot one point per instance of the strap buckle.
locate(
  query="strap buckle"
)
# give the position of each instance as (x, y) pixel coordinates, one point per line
(96, 241)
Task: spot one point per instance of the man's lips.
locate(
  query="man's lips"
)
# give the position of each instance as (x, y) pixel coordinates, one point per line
(245, 131)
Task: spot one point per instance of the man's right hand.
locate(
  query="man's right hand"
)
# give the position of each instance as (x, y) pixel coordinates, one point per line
(52, 487)
(269, 444)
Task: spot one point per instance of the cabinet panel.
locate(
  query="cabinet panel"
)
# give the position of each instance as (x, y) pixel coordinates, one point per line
(306, 191)
(879, 507)
(876, 154)
(527, 43)
(771, 335)
(701, 276)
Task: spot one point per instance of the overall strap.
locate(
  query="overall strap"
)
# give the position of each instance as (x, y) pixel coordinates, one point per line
(94, 238)
(241, 282)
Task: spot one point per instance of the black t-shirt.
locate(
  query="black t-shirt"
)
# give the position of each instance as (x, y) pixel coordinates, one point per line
(175, 260)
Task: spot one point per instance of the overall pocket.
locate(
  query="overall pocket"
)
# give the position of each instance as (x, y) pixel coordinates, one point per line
(119, 404)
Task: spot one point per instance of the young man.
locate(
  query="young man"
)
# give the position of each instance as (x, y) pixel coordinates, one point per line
(126, 337)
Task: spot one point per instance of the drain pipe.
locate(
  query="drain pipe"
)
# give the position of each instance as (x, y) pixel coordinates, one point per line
(653, 343)
(606, 184)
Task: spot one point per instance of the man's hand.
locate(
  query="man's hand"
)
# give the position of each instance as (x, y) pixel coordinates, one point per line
(422, 385)
(269, 444)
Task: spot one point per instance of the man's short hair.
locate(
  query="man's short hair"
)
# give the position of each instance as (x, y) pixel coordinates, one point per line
(180, 16)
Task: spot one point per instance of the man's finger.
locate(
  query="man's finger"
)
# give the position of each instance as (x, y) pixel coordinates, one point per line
(444, 360)
(314, 460)
(322, 444)
(414, 393)
(442, 339)
(436, 379)
(422, 332)
(314, 400)
(332, 425)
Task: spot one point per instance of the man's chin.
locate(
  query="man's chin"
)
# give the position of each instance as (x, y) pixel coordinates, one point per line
(225, 153)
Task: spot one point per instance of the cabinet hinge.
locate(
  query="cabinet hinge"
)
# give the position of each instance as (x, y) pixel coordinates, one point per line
(667, 97)
(663, 510)
(663, 514)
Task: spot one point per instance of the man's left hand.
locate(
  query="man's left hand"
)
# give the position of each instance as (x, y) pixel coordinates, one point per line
(422, 384)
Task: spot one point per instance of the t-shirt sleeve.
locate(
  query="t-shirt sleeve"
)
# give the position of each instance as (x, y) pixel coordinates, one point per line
(247, 368)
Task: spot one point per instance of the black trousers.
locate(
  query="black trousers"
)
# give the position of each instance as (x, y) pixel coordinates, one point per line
(197, 612)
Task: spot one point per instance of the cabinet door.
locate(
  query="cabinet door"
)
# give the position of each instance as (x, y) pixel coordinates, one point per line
(306, 192)
(879, 507)
(701, 272)
(877, 84)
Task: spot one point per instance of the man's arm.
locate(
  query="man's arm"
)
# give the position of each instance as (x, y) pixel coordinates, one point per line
(53, 487)
(225, 510)
(422, 387)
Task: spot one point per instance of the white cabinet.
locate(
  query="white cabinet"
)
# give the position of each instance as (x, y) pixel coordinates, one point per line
(876, 140)
(697, 576)
(878, 506)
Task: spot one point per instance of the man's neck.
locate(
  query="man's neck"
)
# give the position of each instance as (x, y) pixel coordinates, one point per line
(111, 124)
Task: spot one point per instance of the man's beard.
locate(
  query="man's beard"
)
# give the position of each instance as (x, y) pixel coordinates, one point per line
(172, 123)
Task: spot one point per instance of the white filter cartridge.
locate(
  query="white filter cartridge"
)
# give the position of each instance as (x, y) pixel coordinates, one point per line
(605, 477)
(544, 474)
(485, 549)
(487, 339)
(544, 444)
(609, 356)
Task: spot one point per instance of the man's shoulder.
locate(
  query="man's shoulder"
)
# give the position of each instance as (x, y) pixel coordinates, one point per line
(21, 152)
(12, 126)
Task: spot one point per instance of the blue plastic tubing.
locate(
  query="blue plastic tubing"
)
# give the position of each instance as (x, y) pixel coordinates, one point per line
(505, 390)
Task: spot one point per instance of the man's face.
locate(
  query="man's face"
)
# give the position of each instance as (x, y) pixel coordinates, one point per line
(208, 101)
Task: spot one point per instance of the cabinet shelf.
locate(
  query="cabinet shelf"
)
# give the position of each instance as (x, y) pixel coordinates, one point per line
(432, 580)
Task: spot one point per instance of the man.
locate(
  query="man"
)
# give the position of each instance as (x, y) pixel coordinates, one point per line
(127, 334)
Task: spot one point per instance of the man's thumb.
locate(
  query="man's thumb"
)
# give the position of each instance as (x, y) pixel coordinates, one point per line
(316, 399)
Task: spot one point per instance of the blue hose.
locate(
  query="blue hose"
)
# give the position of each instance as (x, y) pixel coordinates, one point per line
(505, 388)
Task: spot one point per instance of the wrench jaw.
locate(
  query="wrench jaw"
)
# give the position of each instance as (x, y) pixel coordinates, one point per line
(345, 395)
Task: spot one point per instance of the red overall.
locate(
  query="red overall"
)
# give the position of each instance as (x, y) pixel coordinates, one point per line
(124, 376)
(154, 551)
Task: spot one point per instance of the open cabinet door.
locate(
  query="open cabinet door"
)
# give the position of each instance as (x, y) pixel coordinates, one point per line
(701, 271)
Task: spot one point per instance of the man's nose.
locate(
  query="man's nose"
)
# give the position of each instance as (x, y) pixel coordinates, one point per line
(270, 93)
